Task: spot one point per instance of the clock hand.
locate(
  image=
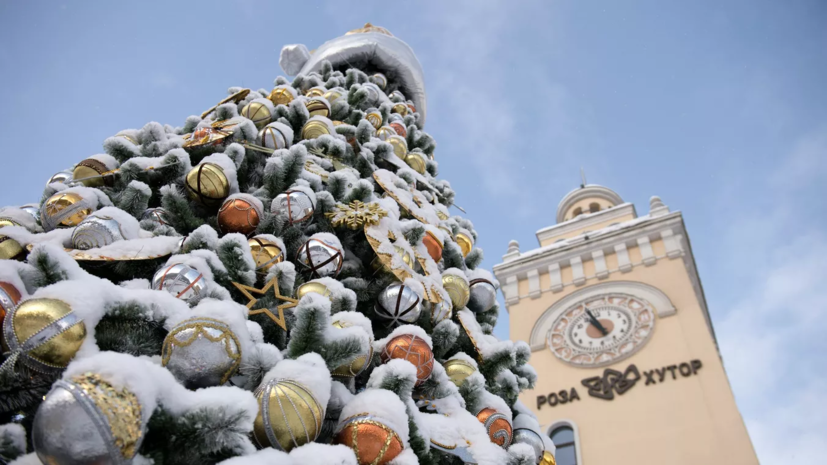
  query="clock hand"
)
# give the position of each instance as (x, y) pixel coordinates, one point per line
(596, 323)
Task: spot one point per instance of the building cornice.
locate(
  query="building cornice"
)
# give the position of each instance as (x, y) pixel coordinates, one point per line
(586, 220)
(586, 192)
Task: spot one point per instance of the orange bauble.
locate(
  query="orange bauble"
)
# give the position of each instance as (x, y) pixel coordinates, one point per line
(399, 128)
(238, 215)
(413, 349)
(497, 426)
(373, 442)
(434, 245)
(9, 298)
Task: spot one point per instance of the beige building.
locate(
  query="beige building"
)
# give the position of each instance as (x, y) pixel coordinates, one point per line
(612, 306)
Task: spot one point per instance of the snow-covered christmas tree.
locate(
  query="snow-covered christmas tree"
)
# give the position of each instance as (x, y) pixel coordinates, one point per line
(281, 280)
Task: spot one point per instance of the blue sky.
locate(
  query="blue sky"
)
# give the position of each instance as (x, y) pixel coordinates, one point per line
(717, 107)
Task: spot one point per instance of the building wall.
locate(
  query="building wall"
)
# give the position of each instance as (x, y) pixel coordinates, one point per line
(591, 227)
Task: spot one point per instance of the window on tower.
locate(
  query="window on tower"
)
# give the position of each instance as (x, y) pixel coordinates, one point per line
(594, 207)
(577, 212)
(564, 437)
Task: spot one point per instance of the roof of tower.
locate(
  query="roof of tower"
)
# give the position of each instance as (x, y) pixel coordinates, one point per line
(589, 191)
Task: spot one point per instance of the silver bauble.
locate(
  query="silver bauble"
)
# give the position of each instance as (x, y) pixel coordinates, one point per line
(321, 258)
(530, 437)
(156, 215)
(275, 136)
(296, 206)
(96, 231)
(440, 311)
(32, 209)
(380, 80)
(180, 280)
(483, 295)
(398, 95)
(64, 176)
(201, 352)
(373, 92)
(398, 304)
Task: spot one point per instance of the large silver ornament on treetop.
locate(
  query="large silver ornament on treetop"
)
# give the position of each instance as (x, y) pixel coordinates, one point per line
(180, 280)
(367, 48)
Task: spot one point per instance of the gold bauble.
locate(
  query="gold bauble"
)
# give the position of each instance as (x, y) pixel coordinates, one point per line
(497, 426)
(63, 210)
(265, 253)
(281, 95)
(258, 112)
(384, 132)
(317, 107)
(91, 171)
(288, 415)
(548, 459)
(458, 289)
(465, 243)
(380, 80)
(51, 327)
(9, 248)
(315, 92)
(400, 147)
(416, 161)
(238, 216)
(312, 287)
(317, 127)
(373, 442)
(374, 118)
(400, 108)
(358, 364)
(458, 370)
(434, 245)
(207, 184)
(331, 96)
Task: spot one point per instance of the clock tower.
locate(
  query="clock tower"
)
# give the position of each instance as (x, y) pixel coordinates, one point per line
(628, 367)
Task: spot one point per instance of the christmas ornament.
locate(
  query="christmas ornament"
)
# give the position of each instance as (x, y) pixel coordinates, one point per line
(9, 297)
(315, 92)
(400, 147)
(530, 437)
(356, 215)
(434, 245)
(358, 364)
(127, 135)
(548, 459)
(207, 184)
(332, 95)
(258, 112)
(400, 108)
(201, 352)
(466, 326)
(265, 253)
(92, 172)
(61, 176)
(457, 288)
(312, 287)
(44, 334)
(416, 161)
(373, 442)
(440, 311)
(497, 426)
(180, 280)
(88, 421)
(296, 206)
(96, 231)
(386, 261)
(289, 416)
(156, 215)
(413, 349)
(399, 127)
(321, 258)
(275, 136)
(458, 451)
(398, 304)
(272, 284)
(236, 97)
(282, 95)
(374, 118)
(396, 95)
(384, 132)
(32, 209)
(411, 107)
(483, 295)
(239, 215)
(317, 126)
(458, 370)
(206, 136)
(317, 107)
(63, 210)
(380, 80)
(8, 222)
(465, 242)
(10, 249)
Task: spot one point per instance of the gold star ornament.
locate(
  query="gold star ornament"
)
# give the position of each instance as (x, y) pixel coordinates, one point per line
(248, 292)
(356, 215)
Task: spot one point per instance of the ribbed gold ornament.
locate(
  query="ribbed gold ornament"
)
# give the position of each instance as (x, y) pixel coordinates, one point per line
(315, 128)
(315, 92)
(458, 370)
(312, 287)
(288, 417)
(416, 161)
(90, 170)
(9, 248)
(400, 147)
(374, 118)
(548, 459)
(208, 184)
(400, 108)
(258, 112)
(281, 96)
(332, 95)
(465, 243)
(458, 289)
(317, 107)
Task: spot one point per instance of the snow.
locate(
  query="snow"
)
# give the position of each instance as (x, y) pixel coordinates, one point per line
(28, 459)
(10, 272)
(308, 370)
(129, 224)
(149, 247)
(338, 292)
(356, 319)
(487, 345)
(107, 160)
(479, 273)
(417, 331)
(323, 454)
(15, 434)
(21, 217)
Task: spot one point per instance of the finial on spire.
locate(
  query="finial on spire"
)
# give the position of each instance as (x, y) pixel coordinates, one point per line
(582, 177)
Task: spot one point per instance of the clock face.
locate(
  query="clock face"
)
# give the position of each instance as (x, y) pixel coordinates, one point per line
(601, 330)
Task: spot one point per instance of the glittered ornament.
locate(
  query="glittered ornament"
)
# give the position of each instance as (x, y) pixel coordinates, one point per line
(315, 92)
(373, 92)
(385, 132)
(312, 287)
(458, 370)
(496, 425)
(380, 80)
(296, 206)
(90, 172)
(9, 297)
(317, 126)
(400, 147)
(275, 136)
(206, 136)
(434, 245)
(201, 352)
(358, 364)
(43, 334)
(370, 438)
(239, 215)
(465, 242)
(400, 108)
(182, 281)
(531, 438)
(441, 310)
(416, 161)
(413, 349)
(321, 258)
(457, 288)
(156, 215)
(258, 113)
(374, 118)
(548, 459)
(265, 253)
(483, 295)
(207, 184)
(356, 214)
(289, 416)
(282, 95)
(398, 304)
(88, 421)
(96, 231)
(61, 176)
(399, 127)
(63, 210)
(317, 106)
(10, 249)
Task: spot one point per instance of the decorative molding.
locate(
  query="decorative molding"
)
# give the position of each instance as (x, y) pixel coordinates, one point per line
(655, 297)
(555, 277)
(578, 277)
(600, 270)
(623, 262)
(586, 192)
(646, 251)
(584, 221)
(534, 284)
(672, 243)
(511, 290)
